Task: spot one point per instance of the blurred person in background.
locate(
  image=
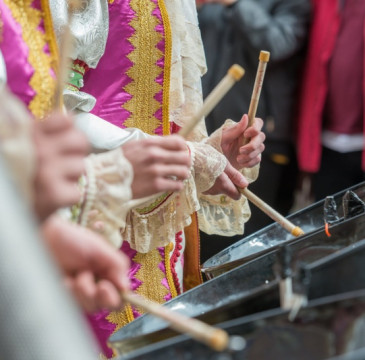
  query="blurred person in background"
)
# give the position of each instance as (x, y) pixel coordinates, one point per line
(331, 117)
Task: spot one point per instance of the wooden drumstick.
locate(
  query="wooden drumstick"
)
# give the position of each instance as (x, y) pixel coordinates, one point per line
(268, 210)
(234, 74)
(259, 80)
(216, 338)
(285, 223)
(66, 43)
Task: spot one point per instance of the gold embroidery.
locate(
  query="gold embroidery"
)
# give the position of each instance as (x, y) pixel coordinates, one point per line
(167, 68)
(121, 318)
(144, 71)
(42, 82)
(152, 206)
(144, 87)
(170, 280)
(151, 288)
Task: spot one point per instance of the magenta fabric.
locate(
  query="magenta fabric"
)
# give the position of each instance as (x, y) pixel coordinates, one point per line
(100, 325)
(15, 52)
(324, 31)
(346, 82)
(107, 82)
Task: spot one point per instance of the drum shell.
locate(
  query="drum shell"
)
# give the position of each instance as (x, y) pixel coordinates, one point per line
(310, 219)
(326, 328)
(330, 325)
(248, 289)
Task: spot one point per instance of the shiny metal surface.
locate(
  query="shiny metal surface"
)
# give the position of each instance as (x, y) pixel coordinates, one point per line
(237, 293)
(326, 328)
(310, 219)
(332, 323)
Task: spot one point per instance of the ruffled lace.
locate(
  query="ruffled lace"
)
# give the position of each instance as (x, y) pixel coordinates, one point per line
(155, 225)
(149, 227)
(208, 165)
(187, 65)
(107, 190)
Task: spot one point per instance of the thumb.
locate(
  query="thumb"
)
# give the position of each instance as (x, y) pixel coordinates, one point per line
(235, 176)
(235, 131)
(56, 122)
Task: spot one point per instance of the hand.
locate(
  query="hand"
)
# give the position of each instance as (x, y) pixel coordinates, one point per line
(94, 271)
(239, 155)
(60, 150)
(159, 164)
(228, 182)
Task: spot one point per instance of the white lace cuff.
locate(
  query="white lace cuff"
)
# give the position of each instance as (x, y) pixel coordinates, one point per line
(107, 190)
(208, 164)
(221, 215)
(156, 223)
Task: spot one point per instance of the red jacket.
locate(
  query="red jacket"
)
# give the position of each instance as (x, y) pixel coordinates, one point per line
(323, 33)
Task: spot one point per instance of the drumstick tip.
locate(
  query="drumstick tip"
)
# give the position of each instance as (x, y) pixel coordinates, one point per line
(264, 56)
(236, 71)
(219, 340)
(297, 231)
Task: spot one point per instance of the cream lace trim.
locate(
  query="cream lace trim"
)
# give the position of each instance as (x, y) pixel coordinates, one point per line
(187, 65)
(108, 189)
(208, 165)
(158, 228)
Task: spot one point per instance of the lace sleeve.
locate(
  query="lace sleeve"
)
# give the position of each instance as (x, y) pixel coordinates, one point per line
(219, 214)
(106, 191)
(157, 222)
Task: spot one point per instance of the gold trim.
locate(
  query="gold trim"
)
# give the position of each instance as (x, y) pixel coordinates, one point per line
(50, 34)
(121, 318)
(167, 69)
(143, 87)
(170, 280)
(151, 287)
(41, 81)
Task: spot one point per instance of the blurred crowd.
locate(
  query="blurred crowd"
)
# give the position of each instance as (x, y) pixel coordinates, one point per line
(311, 99)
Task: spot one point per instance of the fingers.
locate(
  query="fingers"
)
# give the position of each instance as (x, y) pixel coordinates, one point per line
(111, 265)
(56, 122)
(235, 131)
(169, 171)
(235, 176)
(250, 154)
(158, 155)
(171, 142)
(60, 149)
(229, 189)
(228, 182)
(94, 295)
(84, 290)
(159, 164)
(107, 296)
(255, 129)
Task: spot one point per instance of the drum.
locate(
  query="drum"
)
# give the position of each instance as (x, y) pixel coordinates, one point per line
(325, 329)
(247, 289)
(332, 323)
(310, 219)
